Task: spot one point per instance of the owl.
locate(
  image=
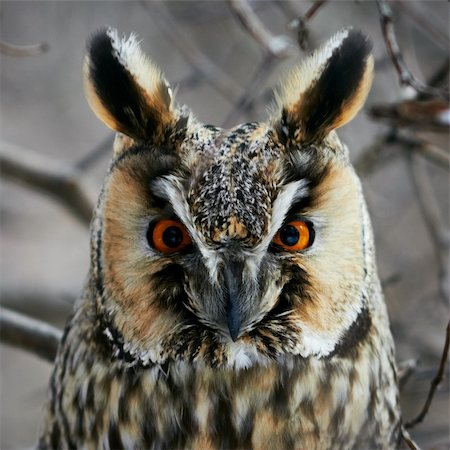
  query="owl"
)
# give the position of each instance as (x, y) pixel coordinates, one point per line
(233, 299)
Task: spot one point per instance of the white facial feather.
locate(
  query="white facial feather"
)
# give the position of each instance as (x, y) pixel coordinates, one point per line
(290, 193)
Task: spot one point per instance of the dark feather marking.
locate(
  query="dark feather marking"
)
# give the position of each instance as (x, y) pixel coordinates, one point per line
(339, 81)
(307, 408)
(298, 284)
(313, 171)
(119, 92)
(337, 419)
(90, 401)
(148, 429)
(129, 388)
(158, 161)
(357, 333)
(114, 439)
(225, 432)
(185, 425)
(280, 395)
(61, 412)
(55, 436)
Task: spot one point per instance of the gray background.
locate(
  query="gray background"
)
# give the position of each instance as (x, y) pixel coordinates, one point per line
(44, 250)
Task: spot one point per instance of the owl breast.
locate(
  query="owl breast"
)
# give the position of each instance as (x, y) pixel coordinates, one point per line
(292, 403)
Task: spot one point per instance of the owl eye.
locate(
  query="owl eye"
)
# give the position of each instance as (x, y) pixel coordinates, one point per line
(294, 236)
(168, 236)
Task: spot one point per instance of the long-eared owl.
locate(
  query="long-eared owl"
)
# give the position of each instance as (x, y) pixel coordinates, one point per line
(233, 299)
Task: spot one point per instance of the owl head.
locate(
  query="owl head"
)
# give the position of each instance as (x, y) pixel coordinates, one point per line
(230, 247)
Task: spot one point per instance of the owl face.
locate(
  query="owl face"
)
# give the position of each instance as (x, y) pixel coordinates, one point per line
(229, 247)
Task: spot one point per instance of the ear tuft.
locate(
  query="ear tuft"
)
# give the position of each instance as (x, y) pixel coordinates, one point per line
(328, 89)
(124, 89)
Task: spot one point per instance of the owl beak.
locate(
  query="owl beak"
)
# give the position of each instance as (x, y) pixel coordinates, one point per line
(233, 282)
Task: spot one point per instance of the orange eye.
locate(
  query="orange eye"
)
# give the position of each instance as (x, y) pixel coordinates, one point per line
(168, 236)
(293, 236)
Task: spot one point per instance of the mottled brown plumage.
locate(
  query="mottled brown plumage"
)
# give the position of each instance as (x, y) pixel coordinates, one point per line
(228, 335)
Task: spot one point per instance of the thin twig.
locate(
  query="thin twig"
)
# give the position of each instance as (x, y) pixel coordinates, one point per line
(300, 23)
(408, 440)
(390, 39)
(434, 384)
(431, 213)
(23, 50)
(62, 182)
(276, 46)
(29, 334)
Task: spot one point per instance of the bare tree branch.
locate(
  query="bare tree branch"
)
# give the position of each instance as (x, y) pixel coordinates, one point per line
(408, 440)
(434, 384)
(432, 215)
(390, 39)
(432, 115)
(103, 148)
(370, 157)
(276, 46)
(23, 50)
(431, 152)
(47, 175)
(29, 334)
(300, 23)
(384, 149)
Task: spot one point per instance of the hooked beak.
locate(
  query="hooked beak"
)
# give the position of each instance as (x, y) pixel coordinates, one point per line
(233, 283)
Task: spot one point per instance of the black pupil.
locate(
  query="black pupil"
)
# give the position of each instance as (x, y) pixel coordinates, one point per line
(289, 235)
(172, 236)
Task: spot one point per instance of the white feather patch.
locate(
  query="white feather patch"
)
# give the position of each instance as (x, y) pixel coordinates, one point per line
(130, 55)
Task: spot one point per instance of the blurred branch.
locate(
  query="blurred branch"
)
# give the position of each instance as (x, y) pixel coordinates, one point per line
(382, 148)
(37, 302)
(300, 22)
(23, 50)
(47, 175)
(252, 89)
(370, 157)
(390, 39)
(276, 46)
(198, 61)
(432, 215)
(103, 148)
(29, 334)
(425, 21)
(390, 280)
(433, 115)
(434, 384)
(405, 370)
(431, 152)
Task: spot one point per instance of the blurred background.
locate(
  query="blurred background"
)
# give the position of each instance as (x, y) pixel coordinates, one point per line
(225, 57)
